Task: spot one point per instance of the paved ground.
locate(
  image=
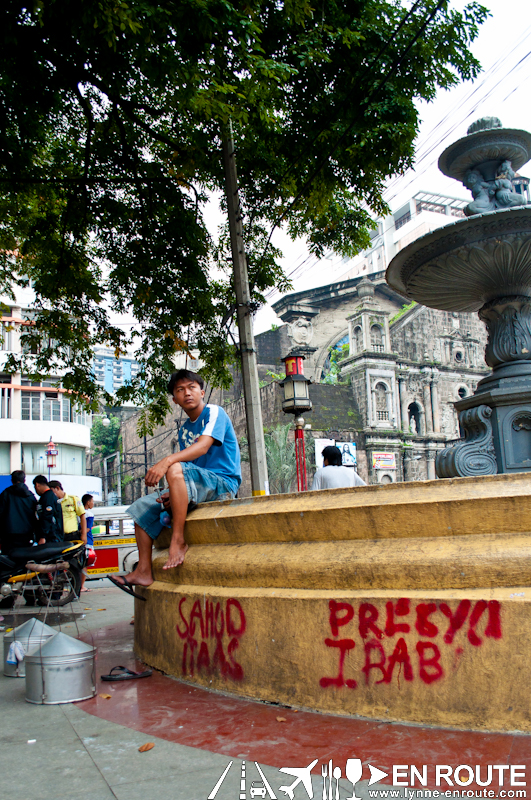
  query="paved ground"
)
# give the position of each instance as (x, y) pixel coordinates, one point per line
(89, 751)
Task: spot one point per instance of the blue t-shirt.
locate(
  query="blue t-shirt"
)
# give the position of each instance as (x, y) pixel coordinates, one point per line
(224, 455)
(89, 519)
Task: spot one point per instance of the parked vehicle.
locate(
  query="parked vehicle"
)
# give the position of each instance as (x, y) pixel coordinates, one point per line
(114, 542)
(48, 574)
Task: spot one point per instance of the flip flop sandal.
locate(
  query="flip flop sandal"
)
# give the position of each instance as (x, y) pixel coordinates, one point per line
(125, 674)
(126, 587)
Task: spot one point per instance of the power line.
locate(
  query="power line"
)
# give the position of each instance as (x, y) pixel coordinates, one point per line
(371, 96)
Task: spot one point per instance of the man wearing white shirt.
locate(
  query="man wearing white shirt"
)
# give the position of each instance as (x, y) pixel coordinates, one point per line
(333, 475)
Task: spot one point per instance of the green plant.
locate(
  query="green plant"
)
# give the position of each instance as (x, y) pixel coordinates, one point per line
(114, 115)
(280, 455)
(405, 308)
(337, 354)
(105, 439)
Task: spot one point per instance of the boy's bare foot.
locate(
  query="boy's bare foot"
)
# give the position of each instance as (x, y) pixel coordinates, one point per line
(137, 578)
(176, 555)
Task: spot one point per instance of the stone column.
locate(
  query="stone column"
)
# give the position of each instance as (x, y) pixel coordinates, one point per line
(403, 404)
(427, 404)
(422, 431)
(374, 415)
(435, 404)
(430, 461)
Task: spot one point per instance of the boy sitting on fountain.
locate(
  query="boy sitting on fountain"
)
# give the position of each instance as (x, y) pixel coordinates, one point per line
(206, 468)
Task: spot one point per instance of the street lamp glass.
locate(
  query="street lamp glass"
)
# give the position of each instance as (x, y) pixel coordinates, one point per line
(301, 390)
(105, 422)
(288, 389)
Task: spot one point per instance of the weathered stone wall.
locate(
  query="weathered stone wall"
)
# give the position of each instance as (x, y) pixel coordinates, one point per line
(448, 338)
(334, 410)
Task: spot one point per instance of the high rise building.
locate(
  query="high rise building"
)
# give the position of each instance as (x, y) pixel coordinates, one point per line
(33, 412)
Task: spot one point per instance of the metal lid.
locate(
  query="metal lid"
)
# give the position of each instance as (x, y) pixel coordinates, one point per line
(33, 629)
(63, 645)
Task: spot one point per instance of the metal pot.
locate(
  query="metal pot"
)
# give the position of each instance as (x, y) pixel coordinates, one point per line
(60, 671)
(31, 634)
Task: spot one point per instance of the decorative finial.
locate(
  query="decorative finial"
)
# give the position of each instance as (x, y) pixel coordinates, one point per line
(484, 124)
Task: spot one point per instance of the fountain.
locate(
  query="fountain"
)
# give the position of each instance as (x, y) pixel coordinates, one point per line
(408, 601)
(483, 264)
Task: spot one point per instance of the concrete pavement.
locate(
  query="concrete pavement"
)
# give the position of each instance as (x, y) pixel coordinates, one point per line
(80, 754)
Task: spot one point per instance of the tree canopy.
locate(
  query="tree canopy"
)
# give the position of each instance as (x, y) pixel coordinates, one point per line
(112, 117)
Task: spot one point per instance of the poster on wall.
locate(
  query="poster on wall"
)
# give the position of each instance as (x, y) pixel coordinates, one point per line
(348, 453)
(320, 445)
(383, 461)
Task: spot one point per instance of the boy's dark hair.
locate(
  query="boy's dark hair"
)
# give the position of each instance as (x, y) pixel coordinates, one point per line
(41, 480)
(332, 455)
(18, 476)
(86, 498)
(184, 375)
(55, 485)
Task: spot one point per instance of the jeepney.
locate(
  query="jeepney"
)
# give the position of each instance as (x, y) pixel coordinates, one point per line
(114, 542)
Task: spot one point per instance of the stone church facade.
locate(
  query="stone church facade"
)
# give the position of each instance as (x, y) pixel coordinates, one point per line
(406, 366)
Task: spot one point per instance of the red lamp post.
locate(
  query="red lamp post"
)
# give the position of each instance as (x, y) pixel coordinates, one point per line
(297, 401)
(51, 456)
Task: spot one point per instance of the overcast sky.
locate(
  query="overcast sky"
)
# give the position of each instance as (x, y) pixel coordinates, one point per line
(502, 89)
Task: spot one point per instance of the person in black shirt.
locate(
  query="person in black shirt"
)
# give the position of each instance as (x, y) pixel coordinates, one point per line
(18, 520)
(49, 513)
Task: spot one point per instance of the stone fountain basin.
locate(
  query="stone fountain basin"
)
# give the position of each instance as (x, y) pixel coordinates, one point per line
(464, 265)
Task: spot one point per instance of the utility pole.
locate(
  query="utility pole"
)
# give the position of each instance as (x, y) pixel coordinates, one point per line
(145, 461)
(251, 389)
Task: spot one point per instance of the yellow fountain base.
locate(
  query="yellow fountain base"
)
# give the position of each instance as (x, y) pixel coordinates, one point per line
(406, 602)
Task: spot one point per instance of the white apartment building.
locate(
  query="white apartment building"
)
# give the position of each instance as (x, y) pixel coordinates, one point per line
(32, 413)
(423, 213)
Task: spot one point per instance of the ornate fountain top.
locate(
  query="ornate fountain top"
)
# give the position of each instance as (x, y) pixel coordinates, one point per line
(484, 124)
(485, 161)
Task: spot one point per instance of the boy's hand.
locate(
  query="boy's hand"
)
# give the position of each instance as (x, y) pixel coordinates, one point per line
(156, 472)
(165, 500)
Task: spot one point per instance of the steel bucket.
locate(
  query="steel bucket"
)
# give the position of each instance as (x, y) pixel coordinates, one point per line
(60, 671)
(31, 634)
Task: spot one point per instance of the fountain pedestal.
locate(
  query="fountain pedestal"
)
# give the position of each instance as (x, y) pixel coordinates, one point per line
(483, 264)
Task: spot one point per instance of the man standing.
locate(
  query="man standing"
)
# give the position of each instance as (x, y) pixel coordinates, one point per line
(333, 475)
(49, 514)
(72, 509)
(88, 505)
(18, 520)
(207, 468)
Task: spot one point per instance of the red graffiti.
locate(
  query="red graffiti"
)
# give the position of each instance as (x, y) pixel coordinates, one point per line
(400, 656)
(368, 616)
(457, 618)
(423, 625)
(343, 645)
(335, 620)
(400, 662)
(400, 609)
(430, 669)
(380, 664)
(208, 624)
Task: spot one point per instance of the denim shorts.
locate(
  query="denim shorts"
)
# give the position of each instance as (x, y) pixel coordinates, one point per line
(202, 486)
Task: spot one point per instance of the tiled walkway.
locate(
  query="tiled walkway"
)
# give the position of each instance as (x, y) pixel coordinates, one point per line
(162, 707)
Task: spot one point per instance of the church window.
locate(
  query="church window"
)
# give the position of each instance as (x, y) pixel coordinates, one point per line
(414, 418)
(459, 357)
(377, 338)
(382, 412)
(358, 338)
(462, 391)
